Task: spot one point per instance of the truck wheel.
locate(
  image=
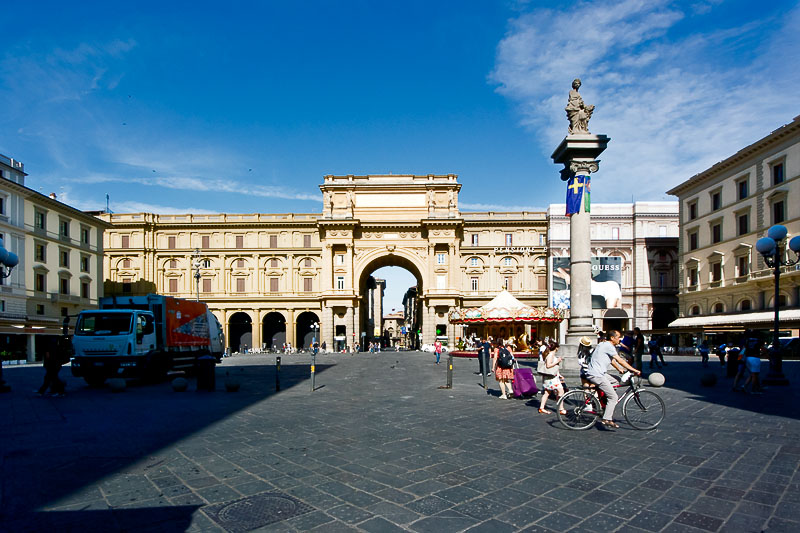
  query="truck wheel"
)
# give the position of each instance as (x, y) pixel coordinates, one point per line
(95, 381)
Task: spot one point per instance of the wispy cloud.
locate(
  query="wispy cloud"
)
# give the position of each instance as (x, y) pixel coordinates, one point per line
(200, 184)
(67, 196)
(672, 107)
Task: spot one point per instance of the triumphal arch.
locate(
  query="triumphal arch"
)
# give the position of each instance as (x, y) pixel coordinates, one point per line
(271, 278)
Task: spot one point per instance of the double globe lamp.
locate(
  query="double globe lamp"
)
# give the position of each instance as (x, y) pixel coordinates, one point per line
(8, 260)
(770, 248)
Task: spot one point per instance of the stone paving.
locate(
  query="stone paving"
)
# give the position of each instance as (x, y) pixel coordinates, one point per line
(378, 447)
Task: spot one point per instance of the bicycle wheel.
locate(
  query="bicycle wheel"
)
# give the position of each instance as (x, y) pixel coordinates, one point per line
(582, 409)
(644, 409)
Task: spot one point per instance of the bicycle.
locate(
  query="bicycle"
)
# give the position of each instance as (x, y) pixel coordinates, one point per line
(643, 409)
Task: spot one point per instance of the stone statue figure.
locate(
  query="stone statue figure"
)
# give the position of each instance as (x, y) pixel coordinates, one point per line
(578, 113)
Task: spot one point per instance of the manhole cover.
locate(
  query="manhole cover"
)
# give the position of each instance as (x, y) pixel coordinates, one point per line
(256, 511)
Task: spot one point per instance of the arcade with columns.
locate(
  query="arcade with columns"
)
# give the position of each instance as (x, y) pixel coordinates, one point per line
(272, 278)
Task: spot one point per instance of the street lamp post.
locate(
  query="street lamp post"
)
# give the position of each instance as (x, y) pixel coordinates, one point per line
(8, 260)
(770, 248)
(197, 271)
(315, 327)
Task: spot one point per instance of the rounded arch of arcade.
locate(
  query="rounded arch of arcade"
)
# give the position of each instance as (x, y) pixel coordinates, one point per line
(374, 259)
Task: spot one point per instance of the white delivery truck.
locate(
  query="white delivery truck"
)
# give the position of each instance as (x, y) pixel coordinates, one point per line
(143, 337)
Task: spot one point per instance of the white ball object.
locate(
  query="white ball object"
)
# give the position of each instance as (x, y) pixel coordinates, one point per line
(179, 384)
(656, 379)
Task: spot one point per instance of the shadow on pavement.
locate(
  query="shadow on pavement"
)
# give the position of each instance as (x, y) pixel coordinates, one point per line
(781, 401)
(142, 520)
(54, 450)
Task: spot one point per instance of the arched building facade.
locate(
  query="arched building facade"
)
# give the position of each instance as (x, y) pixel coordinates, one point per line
(272, 278)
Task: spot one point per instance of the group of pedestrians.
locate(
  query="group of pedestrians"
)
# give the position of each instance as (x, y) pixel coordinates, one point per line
(594, 371)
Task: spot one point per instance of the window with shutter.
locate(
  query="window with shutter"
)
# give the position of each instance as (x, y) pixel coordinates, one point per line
(173, 285)
(239, 284)
(240, 241)
(206, 285)
(273, 284)
(541, 283)
(307, 284)
(273, 241)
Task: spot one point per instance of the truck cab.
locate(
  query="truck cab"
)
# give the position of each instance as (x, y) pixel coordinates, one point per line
(113, 342)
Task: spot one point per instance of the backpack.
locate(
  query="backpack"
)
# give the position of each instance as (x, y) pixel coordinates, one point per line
(505, 359)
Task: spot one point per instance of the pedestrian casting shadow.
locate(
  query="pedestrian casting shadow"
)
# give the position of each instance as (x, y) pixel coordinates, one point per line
(685, 375)
(53, 451)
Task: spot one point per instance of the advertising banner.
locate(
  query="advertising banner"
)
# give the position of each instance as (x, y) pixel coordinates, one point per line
(606, 282)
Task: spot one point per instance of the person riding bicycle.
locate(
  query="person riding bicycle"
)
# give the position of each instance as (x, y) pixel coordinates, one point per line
(604, 354)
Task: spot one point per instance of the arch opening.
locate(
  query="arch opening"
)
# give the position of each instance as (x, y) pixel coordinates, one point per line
(240, 332)
(305, 332)
(390, 303)
(273, 330)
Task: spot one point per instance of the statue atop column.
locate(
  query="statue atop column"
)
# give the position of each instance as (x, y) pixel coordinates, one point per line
(578, 113)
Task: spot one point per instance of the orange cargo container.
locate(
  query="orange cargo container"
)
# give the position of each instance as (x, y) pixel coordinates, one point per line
(186, 323)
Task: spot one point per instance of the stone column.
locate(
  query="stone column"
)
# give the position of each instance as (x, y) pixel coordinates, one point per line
(327, 327)
(451, 332)
(256, 329)
(291, 328)
(429, 331)
(578, 154)
(356, 325)
(348, 320)
(31, 351)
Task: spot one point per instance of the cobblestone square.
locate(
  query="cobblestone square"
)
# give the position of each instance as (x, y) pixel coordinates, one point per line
(378, 446)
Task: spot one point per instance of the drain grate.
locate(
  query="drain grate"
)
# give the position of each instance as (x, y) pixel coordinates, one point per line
(256, 511)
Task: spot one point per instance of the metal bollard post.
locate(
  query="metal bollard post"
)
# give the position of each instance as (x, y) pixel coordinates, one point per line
(277, 373)
(313, 370)
(485, 368)
(449, 371)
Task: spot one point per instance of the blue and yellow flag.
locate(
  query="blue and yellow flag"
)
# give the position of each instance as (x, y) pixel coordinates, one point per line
(575, 187)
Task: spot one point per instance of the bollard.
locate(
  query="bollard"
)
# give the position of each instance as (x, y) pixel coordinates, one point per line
(277, 373)
(449, 371)
(485, 369)
(313, 373)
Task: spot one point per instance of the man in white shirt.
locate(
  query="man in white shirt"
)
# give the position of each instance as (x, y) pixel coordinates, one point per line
(603, 355)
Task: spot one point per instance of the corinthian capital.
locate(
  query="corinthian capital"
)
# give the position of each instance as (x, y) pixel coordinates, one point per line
(580, 167)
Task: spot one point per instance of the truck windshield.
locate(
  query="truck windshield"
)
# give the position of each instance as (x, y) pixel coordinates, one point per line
(104, 324)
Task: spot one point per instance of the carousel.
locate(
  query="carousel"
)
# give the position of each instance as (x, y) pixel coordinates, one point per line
(505, 318)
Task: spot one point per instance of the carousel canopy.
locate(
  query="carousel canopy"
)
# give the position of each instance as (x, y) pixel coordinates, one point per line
(505, 308)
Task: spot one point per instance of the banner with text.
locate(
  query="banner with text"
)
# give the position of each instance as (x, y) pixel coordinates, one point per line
(606, 282)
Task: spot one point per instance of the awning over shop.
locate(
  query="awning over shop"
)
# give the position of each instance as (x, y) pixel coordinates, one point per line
(26, 325)
(615, 312)
(761, 318)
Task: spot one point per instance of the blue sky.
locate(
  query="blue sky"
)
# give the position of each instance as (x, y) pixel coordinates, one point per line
(244, 106)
